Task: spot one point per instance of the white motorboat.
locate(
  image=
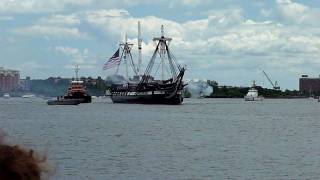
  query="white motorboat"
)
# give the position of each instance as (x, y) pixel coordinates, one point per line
(253, 94)
(28, 96)
(6, 95)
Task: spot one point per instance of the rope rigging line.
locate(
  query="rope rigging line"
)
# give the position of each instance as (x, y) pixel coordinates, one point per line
(132, 64)
(151, 63)
(172, 67)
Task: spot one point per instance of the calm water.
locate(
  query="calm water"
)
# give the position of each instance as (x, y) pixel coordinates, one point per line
(201, 139)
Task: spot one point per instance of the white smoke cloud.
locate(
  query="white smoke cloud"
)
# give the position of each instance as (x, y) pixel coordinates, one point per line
(199, 88)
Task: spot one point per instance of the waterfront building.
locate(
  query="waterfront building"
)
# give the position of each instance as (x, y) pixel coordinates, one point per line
(308, 84)
(9, 80)
(25, 84)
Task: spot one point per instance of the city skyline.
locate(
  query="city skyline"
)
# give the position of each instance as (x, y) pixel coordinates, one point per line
(230, 41)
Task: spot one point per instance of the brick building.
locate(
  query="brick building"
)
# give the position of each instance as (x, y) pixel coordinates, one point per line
(9, 80)
(309, 85)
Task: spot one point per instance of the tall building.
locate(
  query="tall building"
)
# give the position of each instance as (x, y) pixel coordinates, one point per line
(309, 85)
(9, 80)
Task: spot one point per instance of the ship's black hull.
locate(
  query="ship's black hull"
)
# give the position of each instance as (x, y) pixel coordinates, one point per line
(149, 92)
(148, 99)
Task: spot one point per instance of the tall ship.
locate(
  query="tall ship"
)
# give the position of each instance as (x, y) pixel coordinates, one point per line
(161, 82)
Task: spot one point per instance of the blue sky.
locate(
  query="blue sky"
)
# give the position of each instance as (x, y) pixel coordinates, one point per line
(230, 41)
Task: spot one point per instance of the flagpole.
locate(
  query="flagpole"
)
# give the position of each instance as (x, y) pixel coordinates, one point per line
(126, 55)
(119, 62)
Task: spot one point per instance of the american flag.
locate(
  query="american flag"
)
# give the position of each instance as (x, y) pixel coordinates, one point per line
(113, 61)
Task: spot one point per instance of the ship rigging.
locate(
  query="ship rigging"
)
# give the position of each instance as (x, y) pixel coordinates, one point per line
(126, 58)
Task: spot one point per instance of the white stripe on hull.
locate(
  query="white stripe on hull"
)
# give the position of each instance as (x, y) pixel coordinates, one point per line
(147, 99)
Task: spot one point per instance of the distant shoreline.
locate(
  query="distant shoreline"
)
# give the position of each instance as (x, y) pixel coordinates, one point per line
(293, 97)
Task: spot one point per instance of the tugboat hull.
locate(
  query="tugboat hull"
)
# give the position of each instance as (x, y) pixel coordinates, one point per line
(82, 99)
(64, 102)
(148, 99)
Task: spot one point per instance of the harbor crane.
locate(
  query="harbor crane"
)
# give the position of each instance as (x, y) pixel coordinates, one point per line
(275, 84)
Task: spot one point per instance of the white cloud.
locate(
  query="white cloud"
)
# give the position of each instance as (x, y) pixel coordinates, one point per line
(226, 17)
(111, 13)
(61, 20)
(51, 31)
(223, 39)
(77, 56)
(186, 3)
(293, 12)
(116, 26)
(44, 6)
(38, 6)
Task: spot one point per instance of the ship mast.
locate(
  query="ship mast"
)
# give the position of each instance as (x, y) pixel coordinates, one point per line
(127, 46)
(162, 53)
(162, 49)
(76, 70)
(127, 57)
(139, 48)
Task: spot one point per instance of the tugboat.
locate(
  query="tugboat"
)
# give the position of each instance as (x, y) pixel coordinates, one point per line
(148, 90)
(252, 94)
(77, 90)
(76, 93)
